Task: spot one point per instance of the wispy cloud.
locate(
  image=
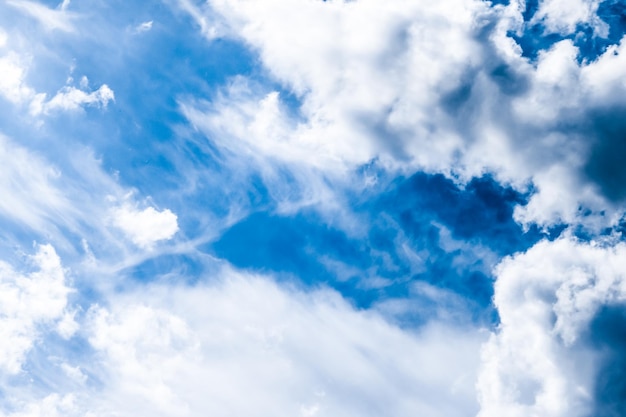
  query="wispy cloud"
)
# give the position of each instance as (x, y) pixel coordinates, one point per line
(50, 19)
(15, 88)
(144, 27)
(65, 4)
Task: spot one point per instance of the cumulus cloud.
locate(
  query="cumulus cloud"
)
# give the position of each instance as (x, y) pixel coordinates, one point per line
(564, 17)
(414, 87)
(30, 304)
(405, 86)
(420, 88)
(541, 362)
(71, 98)
(336, 67)
(13, 86)
(145, 227)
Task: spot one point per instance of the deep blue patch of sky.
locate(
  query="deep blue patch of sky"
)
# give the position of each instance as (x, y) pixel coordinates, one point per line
(411, 211)
(535, 39)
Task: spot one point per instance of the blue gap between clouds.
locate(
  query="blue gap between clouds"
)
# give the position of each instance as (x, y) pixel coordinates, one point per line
(534, 40)
(148, 72)
(138, 136)
(410, 210)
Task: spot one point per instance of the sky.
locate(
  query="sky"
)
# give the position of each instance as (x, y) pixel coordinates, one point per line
(312, 208)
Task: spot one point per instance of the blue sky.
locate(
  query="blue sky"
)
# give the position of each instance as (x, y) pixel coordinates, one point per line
(312, 208)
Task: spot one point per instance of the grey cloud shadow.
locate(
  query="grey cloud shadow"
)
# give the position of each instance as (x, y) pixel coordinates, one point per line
(607, 334)
(606, 165)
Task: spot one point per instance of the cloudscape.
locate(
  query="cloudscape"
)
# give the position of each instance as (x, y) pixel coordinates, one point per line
(313, 208)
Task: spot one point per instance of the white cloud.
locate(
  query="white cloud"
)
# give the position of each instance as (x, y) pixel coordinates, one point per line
(53, 405)
(144, 27)
(74, 373)
(563, 16)
(74, 199)
(64, 5)
(13, 86)
(84, 84)
(546, 298)
(338, 66)
(71, 98)
(3, 38)
(417, 87)
(208, 26)
(50, 19)
(18, 54)
(198, 351)
(257, 137)
(189, 351)
(30, 189)
(29, 303)
(145, 227)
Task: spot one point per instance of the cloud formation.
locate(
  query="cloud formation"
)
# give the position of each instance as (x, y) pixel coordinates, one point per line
(31, 302)
(14, 87)
(325, 208)
(386, 91)
(50, 19)
(71, 98)
(189, 351)
(145, 227)
(541, 362)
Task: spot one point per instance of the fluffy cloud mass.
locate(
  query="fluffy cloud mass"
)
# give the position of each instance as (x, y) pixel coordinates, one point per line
(538, 363)
(30, 302)
(312, 208)
(420, 87)
(145, 227)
